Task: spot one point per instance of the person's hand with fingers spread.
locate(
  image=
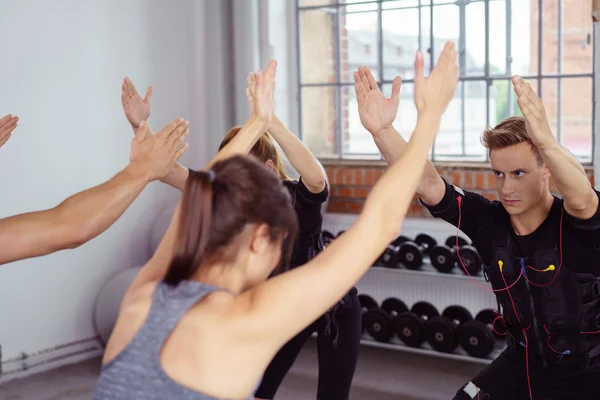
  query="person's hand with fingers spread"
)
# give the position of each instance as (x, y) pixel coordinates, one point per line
(432, 94)
(376, 111)
(8, 123)
(157, 154)
(136, 109)
(534, 113)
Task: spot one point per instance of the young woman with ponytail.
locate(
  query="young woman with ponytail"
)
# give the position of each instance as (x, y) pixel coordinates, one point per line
(201, 320)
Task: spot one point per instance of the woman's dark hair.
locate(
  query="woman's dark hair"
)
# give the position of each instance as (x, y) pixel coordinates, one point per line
(218, 204)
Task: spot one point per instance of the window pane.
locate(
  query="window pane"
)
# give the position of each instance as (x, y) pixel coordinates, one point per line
(362, 7)
(503, 101)
(576, 101)
(524, 38)
(320, 119)
(356, 139)
(392, 4)
(497, 35)
(401, 40)
(466, 117)
(449, 139)
(359, 44)
(446, 26)
(406, 119)
(319, 45)
(474, 61)
(550, 101)
(309, 3)
(567, 37)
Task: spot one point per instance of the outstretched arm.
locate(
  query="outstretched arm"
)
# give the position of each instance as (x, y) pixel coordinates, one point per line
(301, 158)
(157, 267)
(8, 123)
(579, 197)
(313, 288)
(86, 215)
(377, 114)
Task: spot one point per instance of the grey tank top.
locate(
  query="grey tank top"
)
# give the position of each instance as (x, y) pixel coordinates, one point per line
(136, 372)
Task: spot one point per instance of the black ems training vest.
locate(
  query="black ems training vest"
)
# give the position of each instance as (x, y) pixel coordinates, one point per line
(556, 315)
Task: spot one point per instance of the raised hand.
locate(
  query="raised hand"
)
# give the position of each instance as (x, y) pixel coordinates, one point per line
(534, 112)
(157, 154)
(262, 96)
(8, 123)
(375, 110)
(250, 90)
(136, 109)
(432, 94)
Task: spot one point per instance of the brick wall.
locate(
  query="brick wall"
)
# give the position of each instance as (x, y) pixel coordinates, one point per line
(351, 182)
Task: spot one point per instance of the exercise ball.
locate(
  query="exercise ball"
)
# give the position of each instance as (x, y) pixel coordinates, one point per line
(108, 301)
(161, 224)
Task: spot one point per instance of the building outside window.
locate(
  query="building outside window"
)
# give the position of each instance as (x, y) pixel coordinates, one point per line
(496, 39)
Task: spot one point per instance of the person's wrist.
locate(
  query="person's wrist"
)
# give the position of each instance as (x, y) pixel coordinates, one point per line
(429, 118)
(138, 170)
(261, 120)
(384, 130)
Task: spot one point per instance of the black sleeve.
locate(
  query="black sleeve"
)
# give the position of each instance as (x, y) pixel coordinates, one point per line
(476, 212)
(590, 224)
(308, 198)
(308, 208)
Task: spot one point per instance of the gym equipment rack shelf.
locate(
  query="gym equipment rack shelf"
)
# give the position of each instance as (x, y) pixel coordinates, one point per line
(425, 349)
(427, 269)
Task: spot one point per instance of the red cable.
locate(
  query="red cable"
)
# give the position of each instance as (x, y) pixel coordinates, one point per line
(548, 341)
(507, 288)
(560, 249)
(524, 330)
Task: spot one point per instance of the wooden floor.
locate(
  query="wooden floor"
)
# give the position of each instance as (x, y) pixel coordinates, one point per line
(381, 375)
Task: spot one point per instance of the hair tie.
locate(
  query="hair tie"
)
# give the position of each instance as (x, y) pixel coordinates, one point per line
(211, 175)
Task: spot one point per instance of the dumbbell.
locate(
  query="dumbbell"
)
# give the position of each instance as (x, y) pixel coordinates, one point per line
(366, 303)
(388, 258)
(476, 338)
(328, 237)
(409, 325)
(445, 259)
(425, 241)
(394, 306)
(494, 323)
(442, 332)
(378, 323)
(451, 241)
(410, 254)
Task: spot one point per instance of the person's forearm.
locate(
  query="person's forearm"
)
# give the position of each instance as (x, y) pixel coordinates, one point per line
(243, 142)
(301, 158)
(72, 223)
(177, 176)
(391, 145)
(573, 185)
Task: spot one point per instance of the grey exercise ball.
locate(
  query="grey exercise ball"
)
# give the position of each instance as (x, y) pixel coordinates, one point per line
(108, 302)
(160, 225)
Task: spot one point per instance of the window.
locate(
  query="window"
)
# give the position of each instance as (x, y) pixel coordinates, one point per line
(496, 39)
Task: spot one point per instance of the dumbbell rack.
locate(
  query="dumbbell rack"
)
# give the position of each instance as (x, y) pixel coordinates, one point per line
(426, 284)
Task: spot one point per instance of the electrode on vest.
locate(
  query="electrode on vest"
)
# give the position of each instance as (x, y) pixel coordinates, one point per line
(471, 390)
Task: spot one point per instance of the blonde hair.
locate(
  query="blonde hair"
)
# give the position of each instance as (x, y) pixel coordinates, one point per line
(264, 150)
(509, 132)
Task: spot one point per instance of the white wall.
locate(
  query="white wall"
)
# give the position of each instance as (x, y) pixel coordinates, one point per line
(61, 72)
